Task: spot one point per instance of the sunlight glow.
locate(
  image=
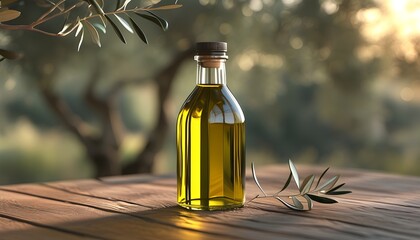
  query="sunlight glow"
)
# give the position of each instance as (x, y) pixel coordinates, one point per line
(410, 92)
(4, 39)
(225, 28)
(367, 53)
(10, 84)
(207, 2)
(256, 5)
(399, 19)
(247, 11)
(329, 7)
(228, 4)
(252, 58)
(291, 3)
(407, 94)
(245, 62)
(296, 42)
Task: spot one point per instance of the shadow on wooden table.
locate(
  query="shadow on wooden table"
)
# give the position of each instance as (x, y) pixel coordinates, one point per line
(143, 207)
(165, 223)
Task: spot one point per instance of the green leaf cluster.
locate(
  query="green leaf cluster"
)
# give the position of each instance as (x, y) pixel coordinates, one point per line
(120, 18)
(96, 17)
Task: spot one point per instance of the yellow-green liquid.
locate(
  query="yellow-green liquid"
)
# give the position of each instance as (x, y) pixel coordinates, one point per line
(211, 150)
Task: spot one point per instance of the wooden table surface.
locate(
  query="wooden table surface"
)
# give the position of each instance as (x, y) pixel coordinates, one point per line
(382, 206)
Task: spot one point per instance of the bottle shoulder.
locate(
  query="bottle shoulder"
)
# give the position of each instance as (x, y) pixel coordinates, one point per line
(216, 102)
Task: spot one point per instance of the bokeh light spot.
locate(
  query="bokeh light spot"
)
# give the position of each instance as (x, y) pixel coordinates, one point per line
(225, 28)
(296, 42)
(407, 94)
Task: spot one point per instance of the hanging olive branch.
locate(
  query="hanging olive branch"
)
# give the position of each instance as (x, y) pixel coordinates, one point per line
(308, 192)
(96, 18)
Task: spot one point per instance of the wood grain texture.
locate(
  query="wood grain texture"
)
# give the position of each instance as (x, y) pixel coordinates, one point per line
(14, 229)
(382, 206)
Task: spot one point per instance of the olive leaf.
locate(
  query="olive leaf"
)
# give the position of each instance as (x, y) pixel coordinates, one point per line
(116, 29)
(328, 184)
(309, 201)
(124, 23)
(321, 199)
(334, 191)
(319, 180)
(66, 24)
(288, 204)
(6, 54)
(101, 3)
(68, 27)
(7, 15)
(294, 173)
(100, 27)
(79, 28)
(336, 188)
(139, 32)
(286, 184)
(307, 184)
(97, 7)
(81, 40)
(297, 203)
(338, 193)
(254, 175)
(118, 4)
(93, 33)
(124, 6)
(155, 19)
(103, 20)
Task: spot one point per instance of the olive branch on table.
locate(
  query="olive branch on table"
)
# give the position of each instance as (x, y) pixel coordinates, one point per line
(307, 194)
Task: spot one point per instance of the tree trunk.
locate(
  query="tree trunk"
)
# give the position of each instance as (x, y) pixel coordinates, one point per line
(145, 160)
(106, 160)
(104, 149)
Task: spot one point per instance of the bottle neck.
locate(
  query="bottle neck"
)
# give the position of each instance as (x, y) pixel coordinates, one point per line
(211, 71)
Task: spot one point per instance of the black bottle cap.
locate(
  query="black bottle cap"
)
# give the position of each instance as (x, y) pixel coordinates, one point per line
(211, 48)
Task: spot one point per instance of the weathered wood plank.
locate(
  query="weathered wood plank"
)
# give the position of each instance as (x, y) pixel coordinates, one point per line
(381, 207)
(16, 230)
(160, 217)
(88, 220)
(148, 194)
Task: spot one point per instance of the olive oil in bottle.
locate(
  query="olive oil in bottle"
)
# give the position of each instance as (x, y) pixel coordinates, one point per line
(211, 138)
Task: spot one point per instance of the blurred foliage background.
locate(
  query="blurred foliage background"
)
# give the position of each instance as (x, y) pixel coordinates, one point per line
(325, 82)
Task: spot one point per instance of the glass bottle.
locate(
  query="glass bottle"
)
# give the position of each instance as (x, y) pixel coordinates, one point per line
(211, 138)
